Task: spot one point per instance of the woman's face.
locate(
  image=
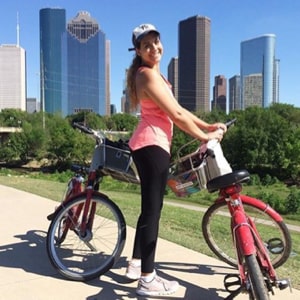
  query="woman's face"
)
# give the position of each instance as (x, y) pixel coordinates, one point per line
(151, 49)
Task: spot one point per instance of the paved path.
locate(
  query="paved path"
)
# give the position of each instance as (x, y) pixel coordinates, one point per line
(26, 273)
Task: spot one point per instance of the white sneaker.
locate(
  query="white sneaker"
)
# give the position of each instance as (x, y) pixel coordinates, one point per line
(133, 272)
(157, 287)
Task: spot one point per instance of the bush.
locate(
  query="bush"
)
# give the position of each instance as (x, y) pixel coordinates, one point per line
(254, 180)
(293, 202)
(269, 180)
(274, 200)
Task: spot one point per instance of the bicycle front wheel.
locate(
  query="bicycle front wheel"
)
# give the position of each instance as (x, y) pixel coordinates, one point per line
(84, 257)
(256, 286)
(216, 228)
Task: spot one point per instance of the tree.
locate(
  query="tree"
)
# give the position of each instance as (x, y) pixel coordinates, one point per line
(293, 201)
(265, 141)
(258, 142)
(124, 122)
(90, 119)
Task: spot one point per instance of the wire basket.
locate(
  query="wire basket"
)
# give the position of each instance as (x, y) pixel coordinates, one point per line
(187, 175)
(190, 174)
(115, 159)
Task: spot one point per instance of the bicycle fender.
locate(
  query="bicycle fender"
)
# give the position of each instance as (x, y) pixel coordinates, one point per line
(242, 233)
(263, 206)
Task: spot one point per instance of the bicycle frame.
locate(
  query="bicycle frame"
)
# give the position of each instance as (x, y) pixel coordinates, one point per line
(245, 236)
(76, 187)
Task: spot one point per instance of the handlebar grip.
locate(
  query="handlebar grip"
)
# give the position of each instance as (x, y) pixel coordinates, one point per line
(230, 122)
(82, 128)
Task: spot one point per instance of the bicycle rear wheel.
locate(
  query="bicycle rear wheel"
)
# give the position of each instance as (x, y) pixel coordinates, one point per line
(216, 228)
(257, 287)
(82, 258)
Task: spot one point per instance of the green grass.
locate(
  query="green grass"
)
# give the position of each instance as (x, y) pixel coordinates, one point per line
(178, 225)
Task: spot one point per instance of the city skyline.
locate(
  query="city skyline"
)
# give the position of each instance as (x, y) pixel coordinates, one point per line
(231, 23)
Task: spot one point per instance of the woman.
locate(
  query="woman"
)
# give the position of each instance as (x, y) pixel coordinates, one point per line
(150, 145)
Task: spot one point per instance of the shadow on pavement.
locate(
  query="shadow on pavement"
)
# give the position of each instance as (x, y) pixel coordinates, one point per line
(30, 254)
(118, 289)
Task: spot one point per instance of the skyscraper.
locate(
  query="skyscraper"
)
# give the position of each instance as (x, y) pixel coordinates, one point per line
(173, 75)
(194, 63)
(259, 72)
(219, 93)
(234, 93)
(52, 27)
(85, 69)
(12, 77)
(75, 63)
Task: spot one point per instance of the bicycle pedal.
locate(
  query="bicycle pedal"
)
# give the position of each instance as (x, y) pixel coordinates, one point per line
(230, 283)
(275, 245)
(283, 284)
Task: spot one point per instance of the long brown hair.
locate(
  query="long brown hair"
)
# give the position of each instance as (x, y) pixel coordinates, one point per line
(131, 85)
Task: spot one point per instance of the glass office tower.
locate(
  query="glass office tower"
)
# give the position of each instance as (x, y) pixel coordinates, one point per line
(194, 63)
(259, 72)
(84, 67)
(52, 27)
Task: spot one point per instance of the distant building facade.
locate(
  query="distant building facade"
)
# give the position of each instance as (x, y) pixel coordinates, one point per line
(52, 27)
(173, 75)
(81, 79)
(32, 105)
(12, 77)
(219, 93)
(259, 72)
(234, 101)
(194, 63)
(85, 66)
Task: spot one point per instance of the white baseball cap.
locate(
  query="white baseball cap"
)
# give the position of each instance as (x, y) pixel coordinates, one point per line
(140, 31)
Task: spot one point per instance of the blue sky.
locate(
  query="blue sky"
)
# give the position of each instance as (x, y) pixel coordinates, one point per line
(232, 21)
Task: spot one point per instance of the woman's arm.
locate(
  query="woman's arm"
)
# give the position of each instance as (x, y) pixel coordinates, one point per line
(206, 126)
(152, 86)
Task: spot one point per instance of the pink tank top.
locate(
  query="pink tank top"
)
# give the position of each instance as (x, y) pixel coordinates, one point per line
(154, 128)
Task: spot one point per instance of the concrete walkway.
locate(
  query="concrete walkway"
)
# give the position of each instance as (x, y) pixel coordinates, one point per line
(26, 273)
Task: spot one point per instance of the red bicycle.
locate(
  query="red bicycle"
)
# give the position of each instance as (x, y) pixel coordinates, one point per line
(87, 231)
(242, 231)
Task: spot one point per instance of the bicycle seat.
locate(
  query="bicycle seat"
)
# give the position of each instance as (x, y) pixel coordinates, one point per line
(227, 180)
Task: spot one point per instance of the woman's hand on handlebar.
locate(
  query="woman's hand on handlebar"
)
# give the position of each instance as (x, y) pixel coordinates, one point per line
(216, 135)
(216, 126)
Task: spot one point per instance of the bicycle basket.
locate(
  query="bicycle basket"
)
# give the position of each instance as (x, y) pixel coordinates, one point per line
(114, 159)
(187, 175)
(190, 174)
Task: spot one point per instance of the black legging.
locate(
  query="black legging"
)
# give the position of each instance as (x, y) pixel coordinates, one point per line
(152, 163)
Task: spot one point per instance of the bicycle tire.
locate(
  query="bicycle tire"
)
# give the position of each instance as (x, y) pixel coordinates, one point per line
(71, 256)
(257, 287)
(216, 229)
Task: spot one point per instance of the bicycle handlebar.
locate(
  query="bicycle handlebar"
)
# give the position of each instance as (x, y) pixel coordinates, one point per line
(98, 135)
(206, 147)
(230, 123)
